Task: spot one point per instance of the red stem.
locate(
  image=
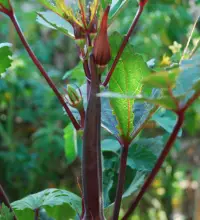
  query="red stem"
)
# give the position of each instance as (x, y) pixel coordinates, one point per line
(158, 164)
(41, 69)
(190, 101)
(88, 75)
(37, 212)
(5, 200)
(91, 162)
(123, 45)
(82, 117)
(121, 181)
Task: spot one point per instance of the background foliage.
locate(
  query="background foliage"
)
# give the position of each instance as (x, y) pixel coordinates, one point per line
(32, 123)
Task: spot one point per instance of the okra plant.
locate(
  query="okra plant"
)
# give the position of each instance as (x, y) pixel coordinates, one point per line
(120, 95)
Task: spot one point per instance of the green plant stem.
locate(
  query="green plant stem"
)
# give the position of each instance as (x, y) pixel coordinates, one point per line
(121, 181)
(5, 200)
(41, 69)
(91, 162)
(123, 45)
(158, 164)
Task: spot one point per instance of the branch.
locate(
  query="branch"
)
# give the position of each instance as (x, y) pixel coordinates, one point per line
(123, 45)
(121, 181)
(91, 159)
(88, 75)
(190, 101)
(5, 200)
(37, 214)
(41, 69)
(158, 164)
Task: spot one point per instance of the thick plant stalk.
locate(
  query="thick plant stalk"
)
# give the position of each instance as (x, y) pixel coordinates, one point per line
(157, 166)
(91, 163)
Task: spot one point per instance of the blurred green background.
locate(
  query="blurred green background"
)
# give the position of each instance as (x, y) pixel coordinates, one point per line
(32, 154)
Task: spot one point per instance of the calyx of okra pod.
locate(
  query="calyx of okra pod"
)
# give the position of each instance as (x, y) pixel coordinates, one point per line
(74, 98)
(84, 19)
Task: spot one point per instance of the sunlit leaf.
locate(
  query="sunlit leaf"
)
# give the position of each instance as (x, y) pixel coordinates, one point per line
(5, 4)
(5, 57)
(126, 79)
(5, 213)
(48, 197)
(50, 4)
(70, 137)
(54, 21)
(166, 79)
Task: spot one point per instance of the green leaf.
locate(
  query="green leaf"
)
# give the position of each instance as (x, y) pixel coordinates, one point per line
(163, 101)
(25, 214)
(108, 120)
(144, 152)
(77, 74)
(166, 79)
(107, 186)
(5, 57)
(143, 111)
(54, 21)
(141, 158)
(5, 4)
(50, 4)
(61, 212)
(111, 145)
(116, 7)
(136, 183)
(70, 137)
(5, 213)
(48, 197)
(166, 119)
(126, 80)
(155, 145)
(189, 76)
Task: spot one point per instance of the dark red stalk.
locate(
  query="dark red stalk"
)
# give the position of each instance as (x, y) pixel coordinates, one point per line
(82, 116)
(121, 181)
(91, 163)
(88, 75)
(157, 165)
(124, 43)
(37, 213)
(5, 200)
(190, 101)
(41, 69)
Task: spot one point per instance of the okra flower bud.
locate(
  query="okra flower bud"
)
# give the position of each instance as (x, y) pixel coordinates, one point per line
(102, 53)
(74, 98)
